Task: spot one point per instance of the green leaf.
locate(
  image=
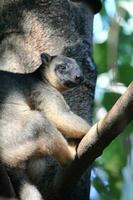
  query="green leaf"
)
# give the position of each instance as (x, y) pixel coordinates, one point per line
(125, 74)
(110, 99)
(100, 55)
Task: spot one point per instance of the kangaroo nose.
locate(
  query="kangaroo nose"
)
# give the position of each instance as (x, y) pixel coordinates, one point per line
(79, 79)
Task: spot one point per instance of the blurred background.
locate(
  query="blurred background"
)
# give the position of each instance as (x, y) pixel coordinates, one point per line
(112, 174)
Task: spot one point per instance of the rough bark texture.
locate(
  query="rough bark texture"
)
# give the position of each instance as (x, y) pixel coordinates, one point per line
(56, 27)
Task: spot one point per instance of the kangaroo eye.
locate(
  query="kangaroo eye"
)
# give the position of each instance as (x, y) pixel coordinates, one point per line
(64, 67)
(61, 68)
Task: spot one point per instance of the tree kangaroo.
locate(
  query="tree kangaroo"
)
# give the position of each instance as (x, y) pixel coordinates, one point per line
(34, 115)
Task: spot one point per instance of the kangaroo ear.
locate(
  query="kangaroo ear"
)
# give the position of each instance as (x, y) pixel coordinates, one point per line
(46, 58)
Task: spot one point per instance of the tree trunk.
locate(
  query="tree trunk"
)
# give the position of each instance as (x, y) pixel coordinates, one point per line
(56, 27)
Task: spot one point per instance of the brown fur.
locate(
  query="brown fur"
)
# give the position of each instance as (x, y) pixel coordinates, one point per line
(32, 113)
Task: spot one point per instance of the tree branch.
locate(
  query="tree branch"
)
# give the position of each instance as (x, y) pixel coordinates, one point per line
(95, 141)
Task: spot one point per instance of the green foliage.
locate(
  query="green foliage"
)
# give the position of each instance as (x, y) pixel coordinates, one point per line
(100, 55)
(109, 100)
(125, 74)
(114, 158)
